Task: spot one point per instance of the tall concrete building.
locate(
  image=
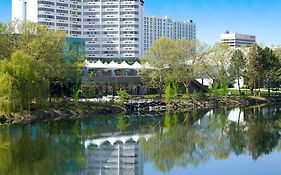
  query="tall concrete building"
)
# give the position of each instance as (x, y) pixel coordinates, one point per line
(156, 27)
(236, 40)
(112, 29)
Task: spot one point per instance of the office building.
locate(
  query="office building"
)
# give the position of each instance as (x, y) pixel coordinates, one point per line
(112, 29)
(236, 40)
(156, 27)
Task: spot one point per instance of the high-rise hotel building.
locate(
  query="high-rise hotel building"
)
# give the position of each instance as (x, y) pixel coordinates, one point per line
(156, 27)
(111, 28)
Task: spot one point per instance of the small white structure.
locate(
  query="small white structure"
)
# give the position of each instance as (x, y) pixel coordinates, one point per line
(114, 67)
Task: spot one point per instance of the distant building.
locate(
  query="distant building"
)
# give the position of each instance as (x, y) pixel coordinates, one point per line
(156, 27)
(236, 40)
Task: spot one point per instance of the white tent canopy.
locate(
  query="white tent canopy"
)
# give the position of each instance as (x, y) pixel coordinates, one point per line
(124, 65)
(113, 65)
(96, 65)
(137, 66)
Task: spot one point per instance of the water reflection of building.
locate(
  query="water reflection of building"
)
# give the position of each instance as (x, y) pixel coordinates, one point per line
(119, 155)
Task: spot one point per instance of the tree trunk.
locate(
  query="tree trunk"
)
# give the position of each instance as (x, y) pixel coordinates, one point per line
(186, 86)
(239, 86)
(259, 84)
(254, 88)
(239, 116)
(268, 86)
(160, 84)
(50, 95)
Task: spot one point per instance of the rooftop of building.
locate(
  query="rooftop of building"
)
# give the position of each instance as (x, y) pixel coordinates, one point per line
(170, 18)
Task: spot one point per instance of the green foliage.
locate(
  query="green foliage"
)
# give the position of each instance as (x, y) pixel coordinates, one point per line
(21, 84)
(224, 87)
(171, 89)
(181, 60)
(217, 62)
(237, 66)
(32, 61)
(89, 87)
(199, 96)
(169, 94)
(77, 95)
(123, 97)
(215, 90)
(123, 122)
(253, 73)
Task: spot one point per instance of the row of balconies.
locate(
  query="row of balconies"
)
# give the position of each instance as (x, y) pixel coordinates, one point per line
(90, 56)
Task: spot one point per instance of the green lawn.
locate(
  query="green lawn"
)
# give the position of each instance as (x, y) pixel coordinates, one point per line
(248, 92)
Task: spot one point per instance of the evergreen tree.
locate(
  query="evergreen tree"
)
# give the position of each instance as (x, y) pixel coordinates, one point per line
(237, 66)
(253, 66)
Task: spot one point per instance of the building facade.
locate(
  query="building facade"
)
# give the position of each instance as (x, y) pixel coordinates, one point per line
(236, 40)
(112, 29)
(156, 27)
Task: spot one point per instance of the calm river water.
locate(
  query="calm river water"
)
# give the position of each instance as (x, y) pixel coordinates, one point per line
(214, 142)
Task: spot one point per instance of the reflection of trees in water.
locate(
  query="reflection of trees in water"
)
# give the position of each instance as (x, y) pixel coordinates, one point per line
(178, 140)
(263, 139)
(33, 150)
(175, 147)
(182, 142)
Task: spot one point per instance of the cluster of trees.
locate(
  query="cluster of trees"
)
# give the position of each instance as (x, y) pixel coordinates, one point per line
(31, 62)
(181, 61)
(173, 62)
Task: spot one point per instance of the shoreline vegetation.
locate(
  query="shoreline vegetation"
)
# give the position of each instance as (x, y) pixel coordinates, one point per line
(69, 110)
(37, 73)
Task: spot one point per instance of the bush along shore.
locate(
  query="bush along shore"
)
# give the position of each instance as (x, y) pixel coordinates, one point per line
(70, 110)
(64, 110)
(188, 104)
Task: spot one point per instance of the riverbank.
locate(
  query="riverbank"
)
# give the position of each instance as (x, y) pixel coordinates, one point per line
(69, 110)
(188, 104)
(64, 110)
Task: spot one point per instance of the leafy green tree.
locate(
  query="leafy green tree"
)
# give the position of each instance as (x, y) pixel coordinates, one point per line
(168, 93)
(217, 63)
(160, 56)
(123, 96)
(21, 84)
(7, 41)
(270, 64)
(190, 61)
(46, 46)
(237, 66)
(253, 67)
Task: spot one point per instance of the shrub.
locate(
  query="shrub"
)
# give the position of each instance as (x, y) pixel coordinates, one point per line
(123, 97)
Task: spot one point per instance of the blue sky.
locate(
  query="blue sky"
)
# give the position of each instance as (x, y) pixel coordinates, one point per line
(259, 17)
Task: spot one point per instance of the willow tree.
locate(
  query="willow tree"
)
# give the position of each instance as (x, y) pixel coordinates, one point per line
(47, 47)
(7, 41)
(21, 84)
